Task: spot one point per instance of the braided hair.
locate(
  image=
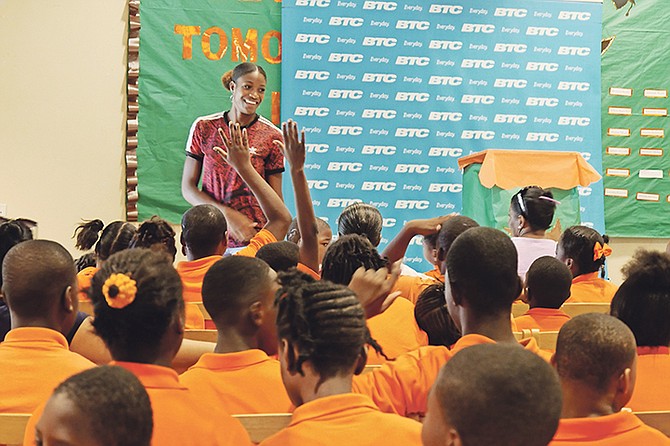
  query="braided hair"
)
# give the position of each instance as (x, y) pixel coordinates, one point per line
(432, 316)
(156, 234)
(324, 322)
(134, 332)
(348, 253)
(115, 237)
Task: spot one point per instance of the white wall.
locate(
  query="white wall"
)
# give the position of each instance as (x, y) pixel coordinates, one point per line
(62, 99)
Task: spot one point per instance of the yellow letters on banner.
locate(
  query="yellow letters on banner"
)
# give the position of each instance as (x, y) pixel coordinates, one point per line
(244, 49)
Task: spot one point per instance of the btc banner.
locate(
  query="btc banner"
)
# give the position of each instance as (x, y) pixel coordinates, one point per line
(391, 93)
(185, 47)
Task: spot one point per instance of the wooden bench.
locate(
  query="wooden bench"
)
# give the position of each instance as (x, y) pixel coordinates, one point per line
(12, 428)
(201, 335)
(519, 308)
(262, 426)
(573, 309)
(546, 340)
(657, 419)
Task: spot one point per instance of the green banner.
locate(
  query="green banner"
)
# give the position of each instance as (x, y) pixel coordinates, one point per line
(185, 47)
(636, 153)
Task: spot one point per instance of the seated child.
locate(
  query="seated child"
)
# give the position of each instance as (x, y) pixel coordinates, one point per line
(322, 345)
(430, 254)
(584, 251)
(643, 304)
(139, 315)
(103, 406)
(432, 316)
(324, 235)
(239, 292)
(596, 361)
(280, 256)
(547, 286)
(517, 401)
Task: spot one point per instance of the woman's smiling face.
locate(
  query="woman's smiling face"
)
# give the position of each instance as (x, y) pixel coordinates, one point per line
(248, 92)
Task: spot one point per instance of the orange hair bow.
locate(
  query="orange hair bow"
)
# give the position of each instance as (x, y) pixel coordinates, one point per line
(601, 250)
(119, 290)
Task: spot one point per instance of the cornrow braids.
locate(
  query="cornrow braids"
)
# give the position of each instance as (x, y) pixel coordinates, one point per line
(115, 237)
(324, 321)
(133, 333)
(155, 233)
(432, 316)
(348, 253)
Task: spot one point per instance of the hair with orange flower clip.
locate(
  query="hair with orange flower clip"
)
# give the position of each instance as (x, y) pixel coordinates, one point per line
(147, 280)
(586, 247)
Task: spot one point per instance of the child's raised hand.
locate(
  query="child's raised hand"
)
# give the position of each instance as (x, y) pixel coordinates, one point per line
(294, 144)
(373, 287)
(236, 151)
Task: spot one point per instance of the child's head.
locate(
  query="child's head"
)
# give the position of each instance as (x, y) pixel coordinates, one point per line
(103, 406)
(531, 209)
(451, 229)
(596, 355)
(324, 235)
(281, 256)
(582, 249)
(345, 255)
(155, 234)
(138, 305)
(203, 232)
(115, 237)
(39, 284)
(548, 283)
(430, 249)
(238, 293)
(362, 219)
(493, 394)
(12, 232)
(642, 301)
(482, 272)
(322, 332)
(432, 316)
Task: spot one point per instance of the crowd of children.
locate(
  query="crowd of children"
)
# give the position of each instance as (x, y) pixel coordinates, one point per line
(354, 346)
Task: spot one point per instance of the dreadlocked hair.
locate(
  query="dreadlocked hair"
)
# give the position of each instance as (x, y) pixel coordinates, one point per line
(155, 234)
(115, 237)
(324, 321)
(348, 253)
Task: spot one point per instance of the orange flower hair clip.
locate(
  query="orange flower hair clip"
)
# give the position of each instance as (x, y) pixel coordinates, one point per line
(601, 250)
(119, 290)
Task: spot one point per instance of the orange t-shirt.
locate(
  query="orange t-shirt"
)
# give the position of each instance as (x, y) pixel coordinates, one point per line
(241, 382)
(192, 273)
(435, 274)
(33, 361)
(544, 319)
(410, 287)
(402, 386)
(652, 386)
(183, 417)
(346, 419)
(262, 238)
(84, 278)
(307, 270)
(591, 288)
(396, 331)
(619, 429)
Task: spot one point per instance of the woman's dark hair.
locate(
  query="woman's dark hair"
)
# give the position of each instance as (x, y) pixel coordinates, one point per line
(345, 255)
(241, 70)
(324, 321)
(113, 402)
(115, 237)
(362, 219)
(12, 232)
(536, 205)
(643, 300)
(432, 316)
(156, 234)
(133, 333)
(578, 243)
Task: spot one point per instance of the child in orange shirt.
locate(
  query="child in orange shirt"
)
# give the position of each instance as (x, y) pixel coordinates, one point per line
(643, 304)
(395, 329)
(103, 406)
(547, 287)
(584, 251)
(238, 292)
(40, 289)
(476, 405)
(139, 315)
(323, 335)
(323, 232)
(433, 317)
(596, 361)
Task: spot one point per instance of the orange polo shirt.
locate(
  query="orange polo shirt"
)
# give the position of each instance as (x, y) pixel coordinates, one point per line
(544, 319)
(307, 270)
(410, 287)
(652, 386)
(84, 278)
(33, 361)
(183, 417)
(591, 288)
(619, 429)
(192, 273)
(346, 419)
(241, 382)
(435, 274)
(402, 386)
(396, 331)
(262, 238)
